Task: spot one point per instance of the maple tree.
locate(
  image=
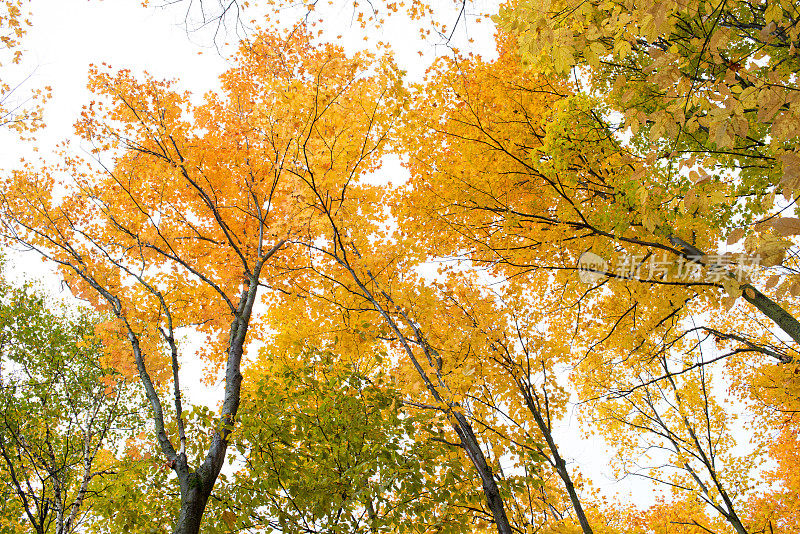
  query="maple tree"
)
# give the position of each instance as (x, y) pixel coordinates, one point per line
(523, 175)
(586, 191)
(472, 358)
(187, 224)
(710, 77)
(341, 268)
(533, 363)
(680, 426)
(708, 92)
(469, 175)
(60, 413)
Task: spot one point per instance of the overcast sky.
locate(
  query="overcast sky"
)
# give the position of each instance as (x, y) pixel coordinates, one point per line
(69, 35)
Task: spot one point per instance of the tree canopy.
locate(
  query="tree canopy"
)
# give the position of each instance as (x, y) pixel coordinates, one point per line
(592, 236)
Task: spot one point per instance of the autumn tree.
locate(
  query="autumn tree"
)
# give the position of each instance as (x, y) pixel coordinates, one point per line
(523, 175)
(585, 190)
(704, 77)
(477, 193)
(142, 497)
(465, 354)
(674, 429)
(708, 92)
(776, 508)
(324, 444)
(533, 360)
(61, 411)
(394, 306)
(188, 222)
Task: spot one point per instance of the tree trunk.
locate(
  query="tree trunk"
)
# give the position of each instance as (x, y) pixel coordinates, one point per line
(561, 469)
(737, 524)
(490, 490)
(194, 496)
(559, 464)
(461, 425)
(785, 320)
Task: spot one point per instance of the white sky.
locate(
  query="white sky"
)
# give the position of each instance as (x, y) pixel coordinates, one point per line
(69, 35)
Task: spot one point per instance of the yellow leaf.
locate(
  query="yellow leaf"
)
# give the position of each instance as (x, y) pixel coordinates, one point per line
(623, 49)
(791, 171)
(735, 236)
(732, 287)
(229, 518)
(772, 281)
(786, 226)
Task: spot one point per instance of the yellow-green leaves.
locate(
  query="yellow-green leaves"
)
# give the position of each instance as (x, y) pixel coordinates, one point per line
(328, 445)
(61, 412)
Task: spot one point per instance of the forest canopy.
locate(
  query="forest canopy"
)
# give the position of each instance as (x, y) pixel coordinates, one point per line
(590, 237)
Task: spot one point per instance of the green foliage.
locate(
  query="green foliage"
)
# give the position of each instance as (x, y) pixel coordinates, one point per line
(143, 496)
(324, 447)
(60, 413)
